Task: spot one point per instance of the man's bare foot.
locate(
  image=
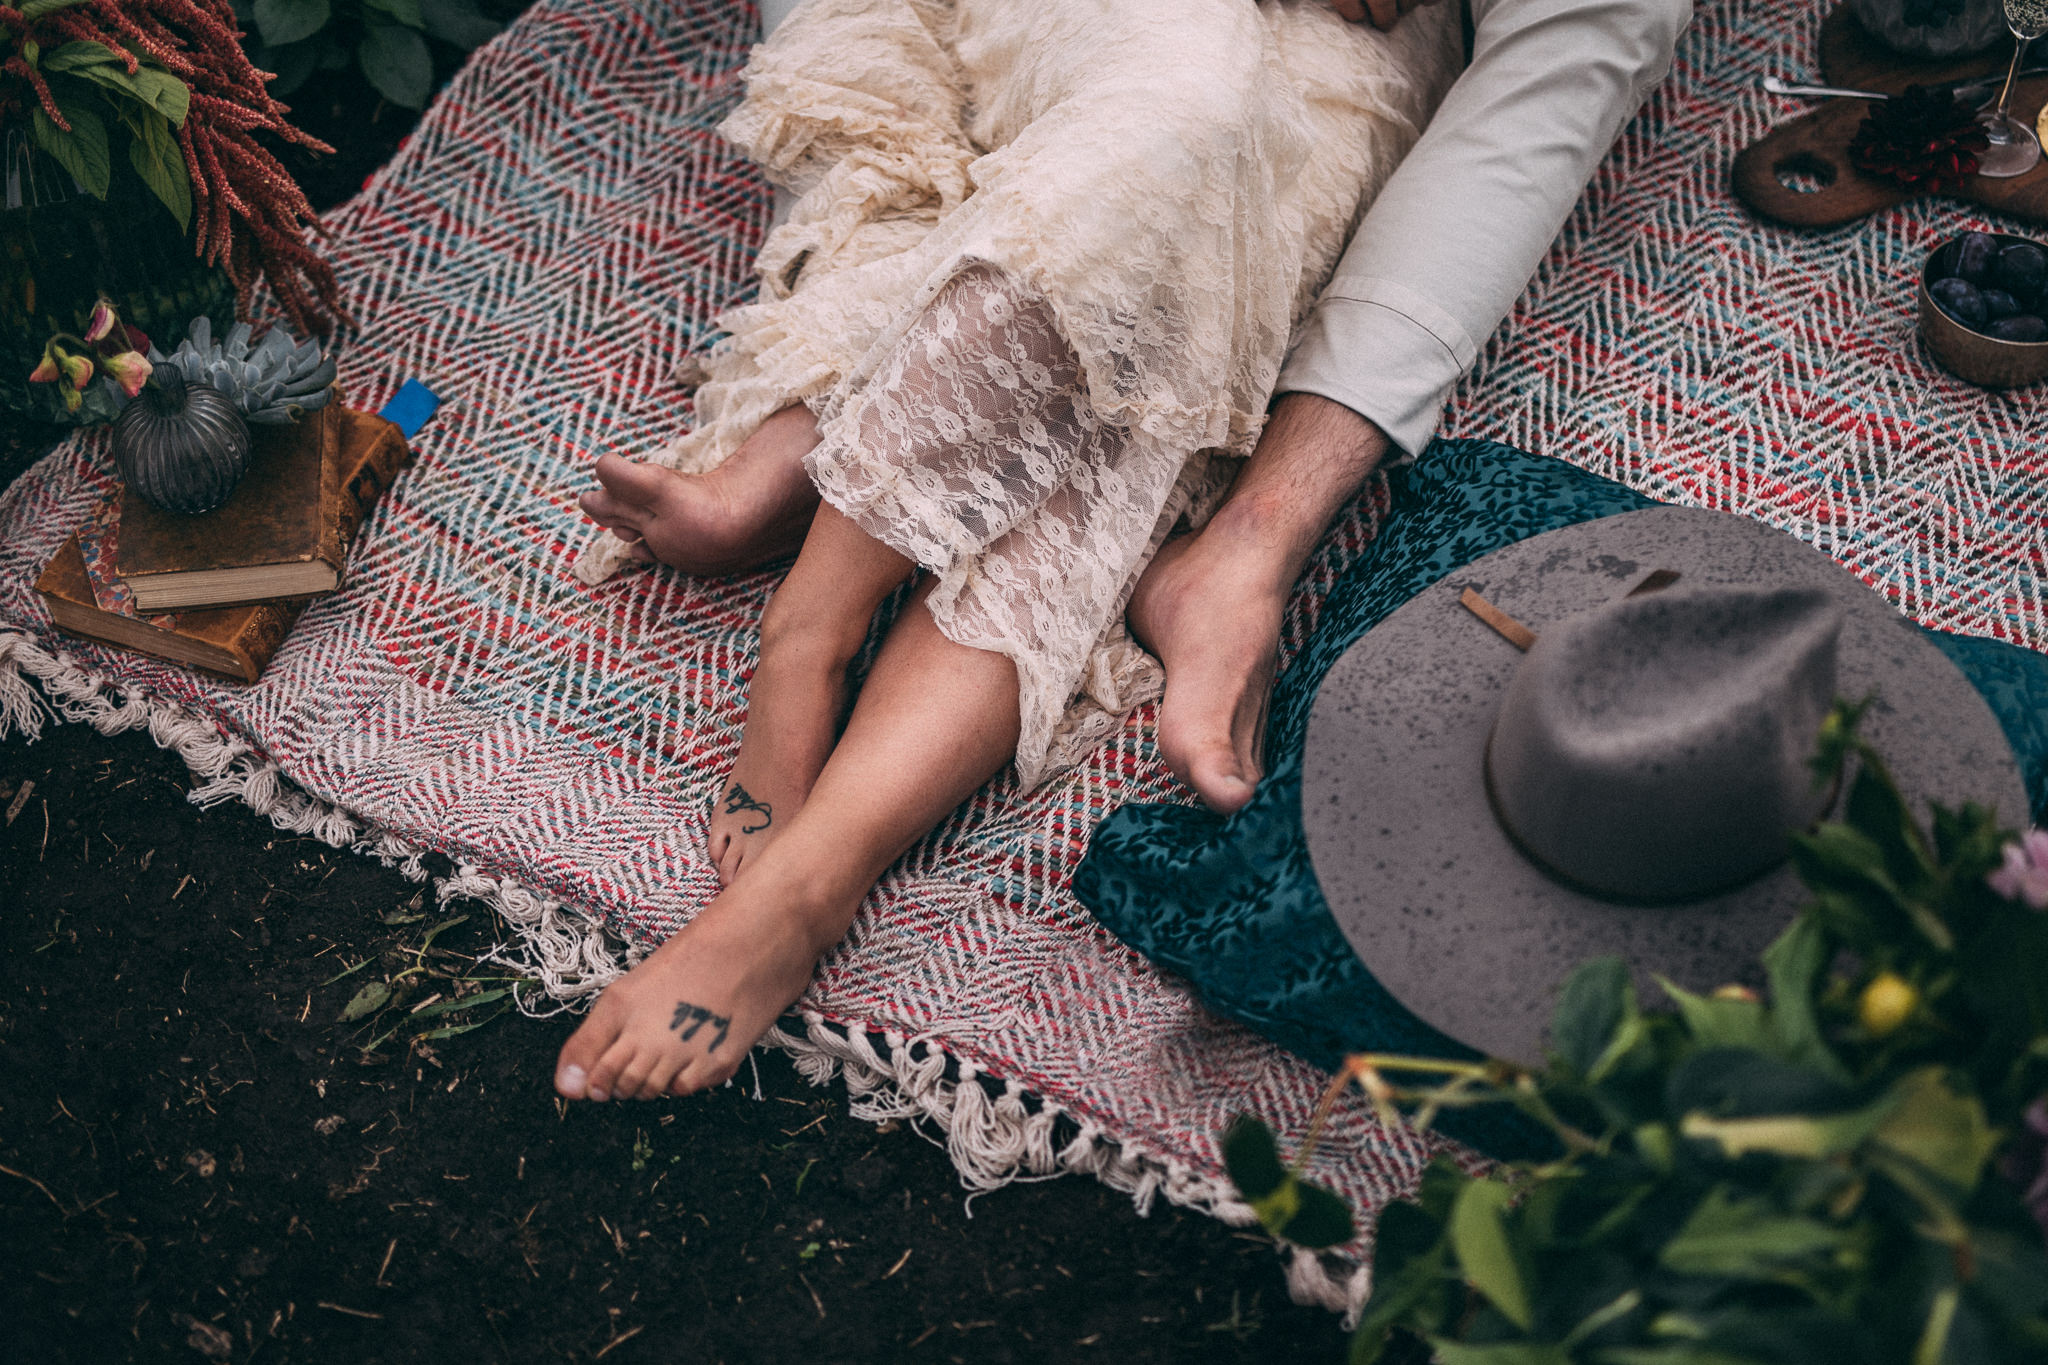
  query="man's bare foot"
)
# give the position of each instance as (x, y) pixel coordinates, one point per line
(749, 511)
(1215, 626)
(684, 1018)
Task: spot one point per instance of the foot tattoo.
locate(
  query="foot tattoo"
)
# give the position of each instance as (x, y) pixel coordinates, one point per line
(689, 1018)
(738, 799)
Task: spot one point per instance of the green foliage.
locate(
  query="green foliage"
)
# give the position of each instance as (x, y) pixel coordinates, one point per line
(94, 92)
(1288, 1207)
(1807, 1176)
(386, 41)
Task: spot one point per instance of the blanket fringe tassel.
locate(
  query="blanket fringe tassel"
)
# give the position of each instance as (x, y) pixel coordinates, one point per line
(994, 1139)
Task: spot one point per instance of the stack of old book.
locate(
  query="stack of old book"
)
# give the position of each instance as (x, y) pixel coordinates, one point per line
(219, 591)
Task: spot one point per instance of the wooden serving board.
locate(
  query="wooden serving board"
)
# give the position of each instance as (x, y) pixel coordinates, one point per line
(1814, 148)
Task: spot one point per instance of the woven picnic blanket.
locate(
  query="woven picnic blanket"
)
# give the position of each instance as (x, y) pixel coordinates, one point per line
(560, 232)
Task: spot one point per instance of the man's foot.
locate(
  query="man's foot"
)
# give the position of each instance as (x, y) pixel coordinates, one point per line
(751, 510)
(684, 1018)
(1215, 626)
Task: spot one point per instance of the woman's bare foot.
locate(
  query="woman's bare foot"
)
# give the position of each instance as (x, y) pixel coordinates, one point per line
(749, 511)
(683, 1019)
(1216, 628)
(793, 709)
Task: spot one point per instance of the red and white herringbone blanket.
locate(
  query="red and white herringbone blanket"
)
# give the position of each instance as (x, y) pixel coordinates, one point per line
(560, 232)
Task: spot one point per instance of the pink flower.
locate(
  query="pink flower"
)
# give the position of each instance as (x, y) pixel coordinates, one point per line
(2025, 874)
(45, 373)
(77, 368)
(128, 369)
(101, 322)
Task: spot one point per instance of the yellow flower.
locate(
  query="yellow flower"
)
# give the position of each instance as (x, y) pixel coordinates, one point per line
(1887, 1002)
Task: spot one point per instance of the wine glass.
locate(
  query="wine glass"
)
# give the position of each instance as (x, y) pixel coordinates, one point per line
(2014, 149)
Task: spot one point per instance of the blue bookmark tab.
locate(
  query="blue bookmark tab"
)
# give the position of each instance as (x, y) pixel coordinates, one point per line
(410, 407)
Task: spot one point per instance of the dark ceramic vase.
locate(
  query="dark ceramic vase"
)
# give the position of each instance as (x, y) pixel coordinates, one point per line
(182, 447)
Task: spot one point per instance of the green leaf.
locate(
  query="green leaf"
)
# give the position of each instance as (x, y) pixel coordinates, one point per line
(36, 9)
(1393, 1298)
(443, 927)
(1677, 1353)
(1450, 1352)
(1592, 1004)
(83, 150)
(1715, 1022)
(1876, 808)
(154, 154)
(76, 54)
(458, 22)
(1320, 1219)
(406, 12)
(1744, 1239)
(1252, 1158)
(150, 85)
(287, 21)
(292, 64)
(1479, 1239)
(1793, 964)
(1944, 1132)
(397, 63)
(436, 1034)
(467, 1002)
(371, 998)
(1794, 1135)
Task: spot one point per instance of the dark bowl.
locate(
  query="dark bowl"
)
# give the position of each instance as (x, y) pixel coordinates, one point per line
(1982, 360)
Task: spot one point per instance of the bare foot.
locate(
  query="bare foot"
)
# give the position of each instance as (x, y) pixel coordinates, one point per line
(1216, 628)
(749, 511)
(794, 705)
(684, 1018)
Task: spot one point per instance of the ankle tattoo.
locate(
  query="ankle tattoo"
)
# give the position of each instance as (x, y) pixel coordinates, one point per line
(690, 1018)
(739, 799)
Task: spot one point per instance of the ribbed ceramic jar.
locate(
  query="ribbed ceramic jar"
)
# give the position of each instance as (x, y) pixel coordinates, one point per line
(181, 447)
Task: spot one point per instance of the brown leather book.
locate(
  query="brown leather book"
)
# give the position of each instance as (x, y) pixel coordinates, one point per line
(285, 532)
(235, 641)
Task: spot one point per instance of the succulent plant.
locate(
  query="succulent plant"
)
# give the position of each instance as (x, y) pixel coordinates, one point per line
(271, 383)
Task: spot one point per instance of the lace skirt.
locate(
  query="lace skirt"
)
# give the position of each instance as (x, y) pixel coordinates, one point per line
(1044, 265)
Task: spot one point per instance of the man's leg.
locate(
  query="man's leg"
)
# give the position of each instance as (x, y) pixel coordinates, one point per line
(934, 721)
(750, 510)
(1210, 605)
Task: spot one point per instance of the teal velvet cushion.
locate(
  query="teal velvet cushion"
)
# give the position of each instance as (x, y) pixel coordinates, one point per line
(1231, 904)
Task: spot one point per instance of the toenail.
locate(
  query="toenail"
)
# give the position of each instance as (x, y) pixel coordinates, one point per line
(571, 1081)
(600, 1094)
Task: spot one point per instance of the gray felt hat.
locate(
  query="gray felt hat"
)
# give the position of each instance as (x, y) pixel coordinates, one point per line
(1482, 821)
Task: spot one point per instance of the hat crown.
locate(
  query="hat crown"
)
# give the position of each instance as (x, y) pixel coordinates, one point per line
(1657, 749)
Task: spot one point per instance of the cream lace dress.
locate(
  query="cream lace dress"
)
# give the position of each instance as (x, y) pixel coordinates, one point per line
(1043, 269)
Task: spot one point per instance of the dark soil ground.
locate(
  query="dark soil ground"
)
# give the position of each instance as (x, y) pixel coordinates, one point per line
(199, 1161)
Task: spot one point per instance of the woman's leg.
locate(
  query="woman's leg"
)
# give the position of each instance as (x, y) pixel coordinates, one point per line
(810, 631)
(750, 510)
(935, 720)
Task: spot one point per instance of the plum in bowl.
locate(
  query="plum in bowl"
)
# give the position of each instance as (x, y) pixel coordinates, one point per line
(1984, 309)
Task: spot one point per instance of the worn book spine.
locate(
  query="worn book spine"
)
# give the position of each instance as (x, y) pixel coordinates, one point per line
(237, 642)
(370, 453)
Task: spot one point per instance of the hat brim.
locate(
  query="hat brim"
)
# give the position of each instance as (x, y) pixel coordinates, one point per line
(1446, 913)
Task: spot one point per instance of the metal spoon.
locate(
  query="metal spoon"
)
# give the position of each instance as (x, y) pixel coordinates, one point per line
(1962, 90)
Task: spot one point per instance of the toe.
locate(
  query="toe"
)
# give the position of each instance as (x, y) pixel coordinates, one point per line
(632, 1081)
(604, 1076)
(1219, 776)
(629, 482)
(580, 1054)
(661, 1077)
(612, 512)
